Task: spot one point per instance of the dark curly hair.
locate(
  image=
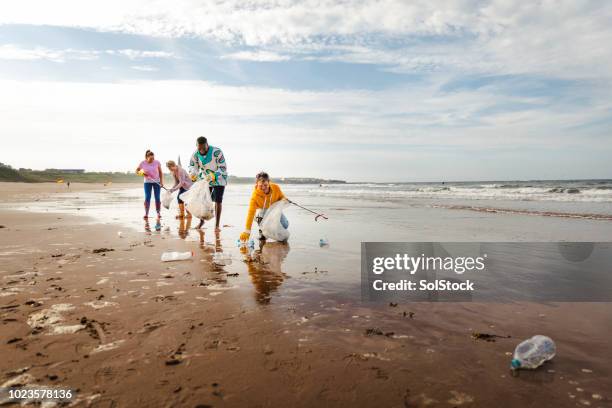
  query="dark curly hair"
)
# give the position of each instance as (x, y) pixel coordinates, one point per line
(262, 175)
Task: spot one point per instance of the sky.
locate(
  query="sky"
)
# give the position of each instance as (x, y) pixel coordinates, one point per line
(368, 90)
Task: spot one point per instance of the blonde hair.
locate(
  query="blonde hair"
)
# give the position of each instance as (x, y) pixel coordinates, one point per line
(169, 164)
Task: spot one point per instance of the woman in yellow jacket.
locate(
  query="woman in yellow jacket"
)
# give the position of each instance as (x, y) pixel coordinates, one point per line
(264, 195)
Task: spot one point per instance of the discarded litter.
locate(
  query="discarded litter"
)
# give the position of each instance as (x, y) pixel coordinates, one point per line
(323, 242)
(377, 332)
(487, 336)
(222, 259)
(533, 352)
(120, 234)
(243, 244)
(176, 256)
(102, 250)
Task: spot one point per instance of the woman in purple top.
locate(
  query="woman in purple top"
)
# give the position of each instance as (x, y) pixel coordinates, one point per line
(153, 180)
(182, 182)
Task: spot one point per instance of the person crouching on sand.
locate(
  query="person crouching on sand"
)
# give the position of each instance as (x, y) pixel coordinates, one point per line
(264, 195)
(182, 183)
(153, 180)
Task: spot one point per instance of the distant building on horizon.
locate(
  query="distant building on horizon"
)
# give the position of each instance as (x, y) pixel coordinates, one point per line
(72, 171)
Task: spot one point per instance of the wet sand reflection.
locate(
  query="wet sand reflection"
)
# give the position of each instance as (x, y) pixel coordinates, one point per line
(265, 269)
(184, 226)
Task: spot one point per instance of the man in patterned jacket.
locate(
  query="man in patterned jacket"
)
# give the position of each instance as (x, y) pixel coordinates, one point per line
(208, 163)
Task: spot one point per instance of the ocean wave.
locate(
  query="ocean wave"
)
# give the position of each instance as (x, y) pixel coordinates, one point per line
(588, 216)
(433, 189)
(566, 190)
(472, 192)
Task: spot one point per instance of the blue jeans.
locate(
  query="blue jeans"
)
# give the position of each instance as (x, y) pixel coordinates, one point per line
(156, 189)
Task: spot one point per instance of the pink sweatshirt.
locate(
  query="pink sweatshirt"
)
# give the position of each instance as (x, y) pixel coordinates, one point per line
(184, 180)
(151, 171)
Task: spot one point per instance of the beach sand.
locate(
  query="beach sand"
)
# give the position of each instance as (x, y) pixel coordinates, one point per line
(84, 308)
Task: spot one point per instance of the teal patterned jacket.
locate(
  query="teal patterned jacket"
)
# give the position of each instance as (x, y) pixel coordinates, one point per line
(211, 166)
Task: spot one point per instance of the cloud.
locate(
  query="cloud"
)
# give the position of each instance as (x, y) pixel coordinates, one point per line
(13, 52)
(17, 53)
(565, 38)
(259, 56)
(527, 77)
(145, 68)
(421, 114)
(395, 128)
(141, 54)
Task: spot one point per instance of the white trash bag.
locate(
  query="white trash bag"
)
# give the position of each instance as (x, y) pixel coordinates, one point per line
(166, 199)
(198, 201)
(271, 226)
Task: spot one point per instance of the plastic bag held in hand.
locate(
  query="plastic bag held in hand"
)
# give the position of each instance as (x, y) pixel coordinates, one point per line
(198, 201)
(166, 199)
(271, 226)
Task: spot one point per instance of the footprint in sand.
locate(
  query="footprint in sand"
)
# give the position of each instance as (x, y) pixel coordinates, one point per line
(99, 304)
(108, 346)
(51, 319)
(460, 398)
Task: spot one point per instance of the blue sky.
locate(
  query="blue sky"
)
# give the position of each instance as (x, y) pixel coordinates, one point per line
(367, 90)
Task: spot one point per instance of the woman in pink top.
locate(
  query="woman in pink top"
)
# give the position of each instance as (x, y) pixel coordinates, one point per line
(182, 182)
(153, 180)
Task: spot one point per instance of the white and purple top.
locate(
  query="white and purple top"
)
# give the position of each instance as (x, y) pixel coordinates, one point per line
(184, 180)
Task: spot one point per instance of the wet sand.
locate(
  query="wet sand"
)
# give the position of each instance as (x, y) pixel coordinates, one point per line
(124, 329)
(37, 191)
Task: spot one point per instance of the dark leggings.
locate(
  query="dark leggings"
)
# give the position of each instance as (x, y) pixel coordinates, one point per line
(147, 189)
(178, 196)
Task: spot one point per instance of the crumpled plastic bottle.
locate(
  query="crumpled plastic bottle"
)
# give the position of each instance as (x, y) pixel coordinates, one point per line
(533, 352)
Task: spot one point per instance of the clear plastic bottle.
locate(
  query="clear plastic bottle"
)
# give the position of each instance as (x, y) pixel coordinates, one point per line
(176, 256)
(222, 259)
(533, 352)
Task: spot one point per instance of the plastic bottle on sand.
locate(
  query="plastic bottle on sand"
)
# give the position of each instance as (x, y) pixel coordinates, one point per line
(222, 259)
(176, 256)
(533, 352)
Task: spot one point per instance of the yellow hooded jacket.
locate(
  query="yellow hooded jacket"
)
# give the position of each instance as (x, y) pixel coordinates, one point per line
(259, 199)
